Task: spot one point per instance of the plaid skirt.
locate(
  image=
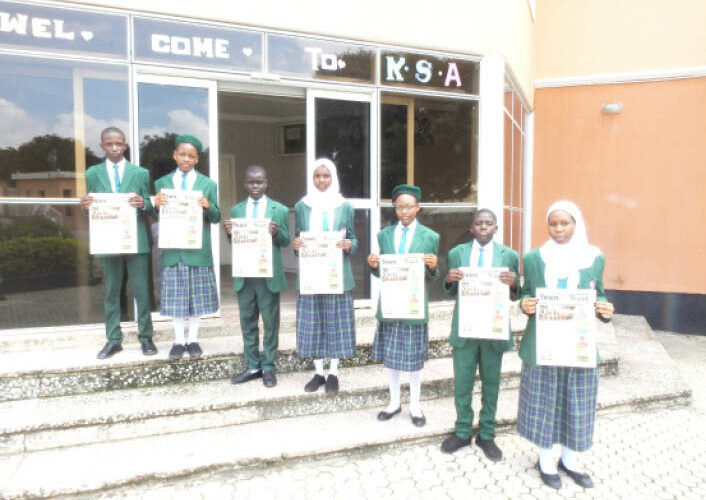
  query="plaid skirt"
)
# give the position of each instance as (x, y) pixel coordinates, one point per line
(325, 325)
(188, 291)
(558, 405)
(401, 346)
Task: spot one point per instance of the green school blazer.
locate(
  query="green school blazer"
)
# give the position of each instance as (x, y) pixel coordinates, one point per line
(425, 241)
(459, 256)
(279, 214)
(342, 219)
(194, 258)
(533, 271)
(135, 179)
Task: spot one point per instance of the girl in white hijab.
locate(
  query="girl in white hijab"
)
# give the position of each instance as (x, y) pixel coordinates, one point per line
(557, 403)
(326, 322)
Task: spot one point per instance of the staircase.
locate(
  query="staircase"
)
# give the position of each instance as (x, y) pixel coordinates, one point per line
(70, 423)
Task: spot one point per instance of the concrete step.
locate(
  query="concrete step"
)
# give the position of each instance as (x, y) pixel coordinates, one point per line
(64, 372)
(647, 378)
(93, 336)
(37, 424)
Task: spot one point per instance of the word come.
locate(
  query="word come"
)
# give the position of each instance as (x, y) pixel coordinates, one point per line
(195, 46)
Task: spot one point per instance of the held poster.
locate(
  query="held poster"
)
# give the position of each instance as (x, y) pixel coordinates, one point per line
(402, 286)
(252, 248)
(112, 224)
(483, 304)
(566, 328)
(320, 263)
(181, 220)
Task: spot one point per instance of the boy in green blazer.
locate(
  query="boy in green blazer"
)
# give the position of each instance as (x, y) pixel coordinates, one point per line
(260, 296)
(468, 354)
(117, 175)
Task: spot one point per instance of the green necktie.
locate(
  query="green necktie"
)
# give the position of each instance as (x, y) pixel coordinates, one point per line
(480, 257)
(324, 221)
(403, 241)
(183, 180)
(254, 209)
(117, 178)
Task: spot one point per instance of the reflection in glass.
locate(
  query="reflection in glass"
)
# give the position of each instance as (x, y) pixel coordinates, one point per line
(39, 153)
(343, 135)
(47, 276)
(445, 144)
(451, 223)
(359, 260)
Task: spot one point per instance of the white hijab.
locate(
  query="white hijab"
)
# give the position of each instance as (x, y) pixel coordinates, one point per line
(565, 261)
(323, 201)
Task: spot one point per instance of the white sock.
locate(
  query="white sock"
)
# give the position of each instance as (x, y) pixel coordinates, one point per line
(393, 377)
(570, 459)
(194, 329)
(415, 389)
(178, 330)
(546, 461)
(333, 367)
(319, 366)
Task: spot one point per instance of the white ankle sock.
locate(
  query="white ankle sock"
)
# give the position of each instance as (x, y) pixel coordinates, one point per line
(194, 329)
(546, 461)
(319, 366)
(393, 378)
(333, 367)
(178, 330)
(570, 459)
(415, 389)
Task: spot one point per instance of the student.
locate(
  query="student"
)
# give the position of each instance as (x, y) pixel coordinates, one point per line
(117, 175)
(326, 322)
(403, 344)
(188, 281)
(558, 404)
(469, 354)
(260, 296)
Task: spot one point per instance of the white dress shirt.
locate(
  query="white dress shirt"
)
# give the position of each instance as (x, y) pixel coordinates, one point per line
(487, 254)
(190, 179)
(261, 208)
(410, 235)
(111, 171)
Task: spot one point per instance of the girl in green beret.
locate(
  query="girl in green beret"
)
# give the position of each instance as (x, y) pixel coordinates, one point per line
(188, 281)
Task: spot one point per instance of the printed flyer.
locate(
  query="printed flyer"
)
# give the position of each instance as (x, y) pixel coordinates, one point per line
(402, 286)
(181, 220)
(252, 248)
(483, 304)
(320, 263)
(112, 224)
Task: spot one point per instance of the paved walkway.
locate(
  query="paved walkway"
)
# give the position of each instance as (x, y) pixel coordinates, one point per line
(651, 454)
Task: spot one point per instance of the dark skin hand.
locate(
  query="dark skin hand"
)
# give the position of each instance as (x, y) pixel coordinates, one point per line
(603, 309)
(483, 228)
(135, 201)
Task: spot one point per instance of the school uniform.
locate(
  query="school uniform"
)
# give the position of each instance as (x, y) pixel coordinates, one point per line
(403, 344)
(262, 295)
(469, 354)
(188, 281)
(132, 178)
(326, 322)
(557, 404)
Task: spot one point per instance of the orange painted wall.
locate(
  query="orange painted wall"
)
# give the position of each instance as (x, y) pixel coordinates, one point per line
(639, 177)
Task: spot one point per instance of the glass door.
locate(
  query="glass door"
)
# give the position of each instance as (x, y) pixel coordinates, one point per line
(165, 108)
(344, 130)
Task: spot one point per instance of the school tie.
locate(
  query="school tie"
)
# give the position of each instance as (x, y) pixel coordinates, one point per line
(254, 209)
(480, 257)
(183, 181)
(403, 241)
(561, 282)
(117, 178)
(324, 221)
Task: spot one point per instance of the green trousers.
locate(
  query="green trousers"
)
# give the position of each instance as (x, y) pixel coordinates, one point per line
(255, 299)
(484, 355)
(137, 266)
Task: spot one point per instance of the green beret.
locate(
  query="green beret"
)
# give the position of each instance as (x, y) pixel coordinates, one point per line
(190, 139)
(407, 189)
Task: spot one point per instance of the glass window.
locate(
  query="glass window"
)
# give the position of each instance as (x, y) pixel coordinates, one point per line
(359, 260)
(442, 147)
(44, 260)
(53, 115)
(452, 224)
(343, 136)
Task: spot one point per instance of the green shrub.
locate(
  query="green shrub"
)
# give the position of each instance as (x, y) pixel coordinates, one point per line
(28, 255)
(35, 225)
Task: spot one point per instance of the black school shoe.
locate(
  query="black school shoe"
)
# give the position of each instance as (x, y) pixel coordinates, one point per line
(491, 450)
(148, 347)
(194, 349)
(551, 480)
(331, 384)
(583, 480)
(109, 349)
(269, 379)
(419, 421)
(176, 352)
(453, 443)
(387, 415)
(315, 382)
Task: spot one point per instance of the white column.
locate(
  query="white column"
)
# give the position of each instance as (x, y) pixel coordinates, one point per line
(528, 178)
(490, 143)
